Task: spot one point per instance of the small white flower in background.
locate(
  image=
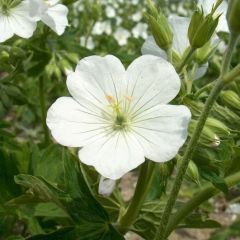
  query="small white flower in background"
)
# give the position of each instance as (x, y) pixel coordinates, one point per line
(121, 36)
(118, 117)
(140, 30)
(119, 20)
(136, 17)
(106, 186)
(54, 15)
(180, 42)
(90, 44)
(15, 19)
(102, 27)
(110, 12)
(222, 9)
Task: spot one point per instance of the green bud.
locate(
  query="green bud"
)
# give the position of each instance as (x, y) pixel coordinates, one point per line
(201, 28)
(217, 127)
(160, 27)
(202, 54)
(207, 138)
(4, 56)
(231, 98)
(192, 172)
(233, 16)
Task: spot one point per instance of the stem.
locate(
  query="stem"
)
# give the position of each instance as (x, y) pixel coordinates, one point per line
(207, 192)
(144, 181)
(43, 109)
(229, 52)
(186, 59)
(161, 233)
(169, 54)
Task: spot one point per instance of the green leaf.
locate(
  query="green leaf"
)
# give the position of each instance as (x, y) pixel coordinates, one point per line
(216, 180)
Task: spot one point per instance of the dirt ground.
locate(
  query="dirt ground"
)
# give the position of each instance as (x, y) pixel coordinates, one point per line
(127, 186)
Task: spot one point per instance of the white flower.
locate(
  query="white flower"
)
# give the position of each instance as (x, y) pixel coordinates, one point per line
(102, 27)
(140, 30)
(16, 20)
(136, 17)
(121, 35)
(90, 44)
(54, 15)
(110, 12)
(120, 116)
(180, 42)
(222, 9)
(106, 186)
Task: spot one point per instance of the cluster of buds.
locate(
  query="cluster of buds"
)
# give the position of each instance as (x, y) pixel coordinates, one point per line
(202, 27)
(159, 26)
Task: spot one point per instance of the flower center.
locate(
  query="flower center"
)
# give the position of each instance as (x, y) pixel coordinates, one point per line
(6, 5)
(120, 119)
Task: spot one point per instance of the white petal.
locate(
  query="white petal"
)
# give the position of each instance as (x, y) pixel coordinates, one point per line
(95, 78)
(36, 8)
(162, 130)
(20, 21)
(200, 71)
(150, 47)
(72, 125)
(180, 33)
(6, 31)
(106, 186)
(113, 155)
(151, 81)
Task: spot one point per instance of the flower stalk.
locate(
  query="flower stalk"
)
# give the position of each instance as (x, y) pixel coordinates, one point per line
(186, 59)
(43, 110)
(220, 84)
(132, 212)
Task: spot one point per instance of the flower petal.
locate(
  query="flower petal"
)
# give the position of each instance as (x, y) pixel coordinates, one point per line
(151, 81)
(114, 155)
(180, 33)
(150, 47)
(56, 18)
(96, 78)
(162, 130)
(6, 31)
(72, 125)
(106, 186)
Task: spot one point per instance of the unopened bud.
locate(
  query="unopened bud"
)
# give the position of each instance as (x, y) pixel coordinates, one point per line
(217, 127)
(201, 28)
(231, 98)
(233, 16)
(160, 27)
(106, 186)
(193, 173)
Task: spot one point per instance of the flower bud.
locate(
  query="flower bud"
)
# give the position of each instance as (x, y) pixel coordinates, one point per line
(231, 98)
(160, 27)
(192, 172)
(217, 127)
(207, 138)
(233, 14)
(201, 28)
(106, 186)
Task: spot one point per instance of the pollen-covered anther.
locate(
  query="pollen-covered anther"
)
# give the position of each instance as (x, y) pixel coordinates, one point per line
(110, 99)
(129, 98)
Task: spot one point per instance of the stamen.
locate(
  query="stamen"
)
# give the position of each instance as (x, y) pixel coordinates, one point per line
(129, 98)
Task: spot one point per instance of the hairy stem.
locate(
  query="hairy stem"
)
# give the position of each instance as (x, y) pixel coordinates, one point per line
(207, 192)
(43, 109)
(132, 212)
(161, 233)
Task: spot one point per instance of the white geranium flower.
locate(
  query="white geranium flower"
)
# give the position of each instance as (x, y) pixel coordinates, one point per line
(110, 12)
(102, 27)
(180, 42)
(120, 117)
(90, 43)
(136, 17)
(54, 15)
(15, 19)
(222, 9)
(121, 35)
(140, 30)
